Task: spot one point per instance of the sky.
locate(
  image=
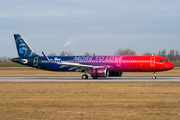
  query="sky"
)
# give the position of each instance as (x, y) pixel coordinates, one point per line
(95, 26)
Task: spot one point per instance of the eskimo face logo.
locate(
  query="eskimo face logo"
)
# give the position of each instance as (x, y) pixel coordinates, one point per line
(22, 49)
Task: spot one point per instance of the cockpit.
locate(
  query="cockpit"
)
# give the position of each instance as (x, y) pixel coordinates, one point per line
(163, 60)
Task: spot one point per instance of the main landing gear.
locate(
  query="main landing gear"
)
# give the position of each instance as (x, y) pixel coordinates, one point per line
(84, 76)
(154, 76)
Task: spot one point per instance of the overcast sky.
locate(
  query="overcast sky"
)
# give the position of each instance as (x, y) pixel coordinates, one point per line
(95, 26)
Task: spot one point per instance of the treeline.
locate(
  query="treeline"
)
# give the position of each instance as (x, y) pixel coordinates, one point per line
(172, 55)
(5, 59)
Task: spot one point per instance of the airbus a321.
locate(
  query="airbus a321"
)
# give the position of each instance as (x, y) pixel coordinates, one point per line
(96, 66)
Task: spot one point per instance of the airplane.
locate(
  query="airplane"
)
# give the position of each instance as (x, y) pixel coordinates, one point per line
(96, 66)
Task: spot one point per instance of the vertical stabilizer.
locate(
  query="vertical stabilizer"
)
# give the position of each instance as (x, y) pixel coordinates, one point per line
(23, 49)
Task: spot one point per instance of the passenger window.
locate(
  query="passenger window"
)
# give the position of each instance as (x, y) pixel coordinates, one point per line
(161, 61)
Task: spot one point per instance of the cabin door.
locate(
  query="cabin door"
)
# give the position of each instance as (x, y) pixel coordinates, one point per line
(118, 62)
(35, 61)
(152, 61)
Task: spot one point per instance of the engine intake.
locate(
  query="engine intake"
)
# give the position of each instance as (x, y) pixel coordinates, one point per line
(99, 72)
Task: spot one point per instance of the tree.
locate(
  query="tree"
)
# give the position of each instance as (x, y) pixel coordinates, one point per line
(125, 52)
(70, 54)
(171, 55)
(3, 59)
(87, 54)
(148, 53)
(162, 53)
(176, 55)
(63, 53)
(8, 59)
(52, 54)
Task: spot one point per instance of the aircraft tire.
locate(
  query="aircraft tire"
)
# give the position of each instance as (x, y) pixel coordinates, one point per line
(84, 76)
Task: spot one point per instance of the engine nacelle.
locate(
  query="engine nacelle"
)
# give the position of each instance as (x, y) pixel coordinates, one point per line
(99, 72)
(115, 74)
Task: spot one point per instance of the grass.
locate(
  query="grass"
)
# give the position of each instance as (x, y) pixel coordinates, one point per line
(176, 63)
(42, 73)
(89, 101)
(10, 64)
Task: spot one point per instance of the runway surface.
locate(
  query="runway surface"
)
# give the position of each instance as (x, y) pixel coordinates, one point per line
(78, 79)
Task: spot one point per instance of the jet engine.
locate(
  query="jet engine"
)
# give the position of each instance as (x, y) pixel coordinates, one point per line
(115, 74)
(99, 72)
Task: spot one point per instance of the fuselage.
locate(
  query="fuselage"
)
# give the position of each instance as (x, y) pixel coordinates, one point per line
(96, 66)
(113, 63)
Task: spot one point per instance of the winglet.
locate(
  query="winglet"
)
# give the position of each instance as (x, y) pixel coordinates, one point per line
(45, 56)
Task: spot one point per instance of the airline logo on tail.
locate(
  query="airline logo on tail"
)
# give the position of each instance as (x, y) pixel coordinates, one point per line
(23, 48)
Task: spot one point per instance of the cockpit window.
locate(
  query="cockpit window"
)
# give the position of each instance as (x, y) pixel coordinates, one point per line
(163, 60)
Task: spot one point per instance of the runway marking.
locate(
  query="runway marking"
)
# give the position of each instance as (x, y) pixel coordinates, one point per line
(90, 80)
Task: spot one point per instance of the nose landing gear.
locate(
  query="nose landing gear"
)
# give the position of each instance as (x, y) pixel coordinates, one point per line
(154, 76)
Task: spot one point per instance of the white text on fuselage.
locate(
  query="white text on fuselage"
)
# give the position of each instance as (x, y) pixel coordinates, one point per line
(56, 59)
(97, 58)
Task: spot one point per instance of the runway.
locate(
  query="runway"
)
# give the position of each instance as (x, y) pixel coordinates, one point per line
(90, 80)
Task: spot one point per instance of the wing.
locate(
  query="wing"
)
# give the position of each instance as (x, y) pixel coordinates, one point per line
(72, 66)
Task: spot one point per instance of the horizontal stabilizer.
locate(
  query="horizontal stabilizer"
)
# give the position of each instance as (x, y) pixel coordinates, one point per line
(24, 61)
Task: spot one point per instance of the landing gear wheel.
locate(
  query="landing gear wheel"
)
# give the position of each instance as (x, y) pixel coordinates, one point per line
(95, 77)
(154, 76)
(84, 76)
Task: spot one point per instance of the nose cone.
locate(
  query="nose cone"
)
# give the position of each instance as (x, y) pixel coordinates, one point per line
(170, 66)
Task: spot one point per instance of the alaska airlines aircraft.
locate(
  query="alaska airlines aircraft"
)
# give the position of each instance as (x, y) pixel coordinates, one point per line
(96, 66)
